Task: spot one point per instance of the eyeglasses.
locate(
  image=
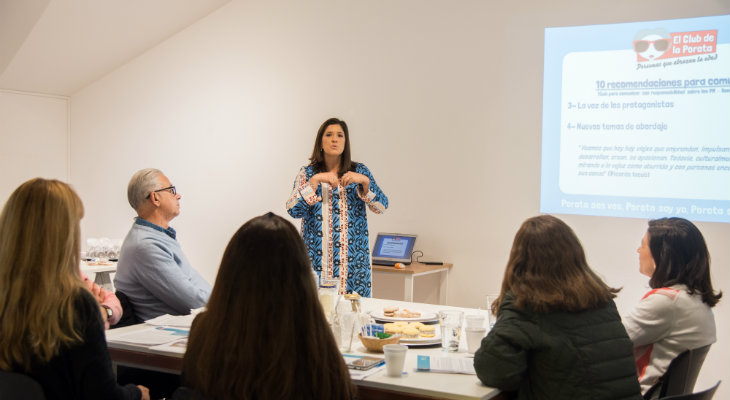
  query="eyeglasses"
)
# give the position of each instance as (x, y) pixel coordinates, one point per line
(171, 189)
(641, 46)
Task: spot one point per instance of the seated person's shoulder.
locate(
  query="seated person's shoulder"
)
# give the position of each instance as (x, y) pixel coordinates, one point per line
(515, 316)
(147, 245)
(86, 306)
(663, 294)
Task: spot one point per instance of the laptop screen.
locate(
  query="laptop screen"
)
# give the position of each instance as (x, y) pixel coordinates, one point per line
(393, 247)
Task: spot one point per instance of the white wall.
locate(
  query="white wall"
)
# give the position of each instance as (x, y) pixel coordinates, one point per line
(34, 139)
(443, 100)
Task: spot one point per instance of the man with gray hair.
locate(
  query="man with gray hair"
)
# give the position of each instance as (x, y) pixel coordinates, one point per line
(153, 272)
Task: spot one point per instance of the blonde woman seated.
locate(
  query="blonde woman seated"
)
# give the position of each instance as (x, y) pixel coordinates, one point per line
(558, 334)
(264, 334)
(51, 327)
(676, 315)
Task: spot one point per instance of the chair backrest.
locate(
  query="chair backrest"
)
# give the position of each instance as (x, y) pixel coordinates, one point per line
(17, 386)
(128, 315)
(681, 375)
(703, 395)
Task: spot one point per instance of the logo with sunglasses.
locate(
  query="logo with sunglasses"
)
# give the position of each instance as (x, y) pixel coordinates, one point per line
(651, 45)
(657, 44)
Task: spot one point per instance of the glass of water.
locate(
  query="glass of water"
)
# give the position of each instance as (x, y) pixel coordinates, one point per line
(491, 298)
(348, 321)
(451, 325)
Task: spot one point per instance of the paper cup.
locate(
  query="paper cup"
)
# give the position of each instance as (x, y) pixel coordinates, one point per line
(395, 359)
(474, 338)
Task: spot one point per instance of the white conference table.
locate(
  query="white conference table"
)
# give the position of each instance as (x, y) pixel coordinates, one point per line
(413, 385)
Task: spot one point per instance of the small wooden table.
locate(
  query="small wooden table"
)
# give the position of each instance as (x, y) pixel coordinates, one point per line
(418, 269)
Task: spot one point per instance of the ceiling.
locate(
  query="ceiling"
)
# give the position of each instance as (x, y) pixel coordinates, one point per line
(59, 46)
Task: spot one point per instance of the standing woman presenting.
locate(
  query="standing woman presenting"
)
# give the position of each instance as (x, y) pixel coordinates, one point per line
(330, 195)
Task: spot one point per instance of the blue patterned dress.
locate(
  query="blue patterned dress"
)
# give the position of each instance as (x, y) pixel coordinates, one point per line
(335, 227)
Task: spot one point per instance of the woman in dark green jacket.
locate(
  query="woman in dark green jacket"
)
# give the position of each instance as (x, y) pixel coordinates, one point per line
(558, 334)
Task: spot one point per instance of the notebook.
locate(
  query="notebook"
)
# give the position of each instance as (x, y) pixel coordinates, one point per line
(392, 248)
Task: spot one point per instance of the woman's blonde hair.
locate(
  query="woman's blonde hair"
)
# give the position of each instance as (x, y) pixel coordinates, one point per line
(39, 272)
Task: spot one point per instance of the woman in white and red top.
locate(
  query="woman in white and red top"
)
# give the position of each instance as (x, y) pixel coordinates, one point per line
(676, 314)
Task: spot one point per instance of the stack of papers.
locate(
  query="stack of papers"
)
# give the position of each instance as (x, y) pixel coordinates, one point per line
(451, 365)
(178, 346)
(184, 321)
(153, 335)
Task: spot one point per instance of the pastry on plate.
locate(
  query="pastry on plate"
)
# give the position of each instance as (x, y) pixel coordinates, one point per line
(390, 311)
(410, 332)
(393, 328)
(427, 331)
(405, 313)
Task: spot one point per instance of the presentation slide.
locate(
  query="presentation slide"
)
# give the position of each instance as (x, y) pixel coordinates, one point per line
(636, 120)
(394, 247)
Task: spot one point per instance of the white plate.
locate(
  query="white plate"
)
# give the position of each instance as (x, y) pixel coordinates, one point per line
(425, 317)
(422, 341)
(419, 342)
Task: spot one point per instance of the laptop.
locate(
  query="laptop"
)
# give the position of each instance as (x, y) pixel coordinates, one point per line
(392, 248)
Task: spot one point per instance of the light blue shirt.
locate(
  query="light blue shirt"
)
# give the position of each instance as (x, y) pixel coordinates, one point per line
(155, 274)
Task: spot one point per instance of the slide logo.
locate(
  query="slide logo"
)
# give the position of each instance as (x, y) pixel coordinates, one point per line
(658, 44)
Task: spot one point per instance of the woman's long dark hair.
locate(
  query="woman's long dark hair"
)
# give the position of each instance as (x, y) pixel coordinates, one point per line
(264, 334)
(317, 157)
(681, 257)
(547, 270)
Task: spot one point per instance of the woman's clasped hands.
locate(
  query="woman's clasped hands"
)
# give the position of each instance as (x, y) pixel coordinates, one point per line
(331, 179)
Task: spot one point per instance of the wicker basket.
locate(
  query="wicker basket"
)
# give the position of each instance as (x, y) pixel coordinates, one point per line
(376, 345)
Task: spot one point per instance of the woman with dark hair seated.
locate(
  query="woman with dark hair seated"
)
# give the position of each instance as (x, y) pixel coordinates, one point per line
(264, 334)
(558, 334)
(51, 326)
(676, 315)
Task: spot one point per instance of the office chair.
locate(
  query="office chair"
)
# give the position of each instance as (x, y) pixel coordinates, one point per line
(681, 375)
(17, 386)
(703, 395)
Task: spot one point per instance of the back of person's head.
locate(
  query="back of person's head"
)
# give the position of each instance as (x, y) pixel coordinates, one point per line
(547, 270)
(264, 334)
(681, 257)
(140, 185)
(39, 271)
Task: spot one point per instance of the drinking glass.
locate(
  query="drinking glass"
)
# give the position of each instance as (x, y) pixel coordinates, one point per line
(92, 248)
(328, 298)
(105, 249)
(451, 324)
(348, 322)
(492, 318)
